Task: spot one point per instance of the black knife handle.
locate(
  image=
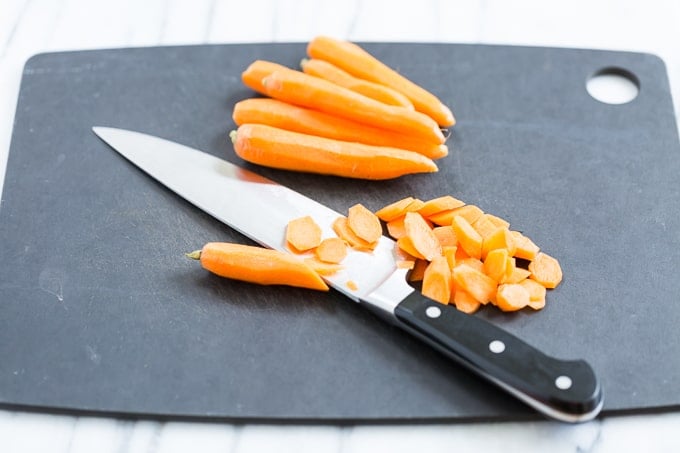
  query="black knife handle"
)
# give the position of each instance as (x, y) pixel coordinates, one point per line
(564, 390)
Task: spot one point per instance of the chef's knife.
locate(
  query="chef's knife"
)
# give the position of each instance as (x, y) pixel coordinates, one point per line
(260, 209)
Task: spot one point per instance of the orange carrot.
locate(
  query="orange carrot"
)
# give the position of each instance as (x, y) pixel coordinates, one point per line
(500, 238)
(283, 115)
(396, 228)
(484, 226)
(364, 223)
(331, 250)
(418, 272)
(257, 265)
(497, 221)
(437, 280)
(449, 252)
(470, 212)
(255, 73)
(468, 238)
(439, 204)
(421, 236)
(308, 91)
(322, 267)
(536, 293)
(406, 245)
(446, 235)
(515, 274)
(278, 148)
(360, 63)
(394, 210)
(344, 232)
(465, 302)
(496, 263)
(477, 284)
(524, 247)
(303, 234)
(546, 270)
(332, 73)
(512, 297)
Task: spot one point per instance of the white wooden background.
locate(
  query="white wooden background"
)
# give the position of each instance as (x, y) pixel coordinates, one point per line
(32, 26)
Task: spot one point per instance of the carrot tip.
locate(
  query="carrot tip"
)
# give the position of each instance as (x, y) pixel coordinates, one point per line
(232, 136)
(195, 255)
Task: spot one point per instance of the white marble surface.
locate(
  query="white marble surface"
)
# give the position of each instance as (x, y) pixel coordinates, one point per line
(31, 26)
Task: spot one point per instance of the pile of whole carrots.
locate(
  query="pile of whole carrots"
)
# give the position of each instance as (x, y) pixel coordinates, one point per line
(345, 114)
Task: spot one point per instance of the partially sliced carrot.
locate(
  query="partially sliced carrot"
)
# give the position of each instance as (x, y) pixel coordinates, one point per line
(360, 63)
(332, 73)
(394, 210)
(331, 250)
(512, 297)
(477, 284)
(283, 115)
(303, 234)
(468, 238)
(308, 91)
(545, 270)
(344, 232)
(439, 204)
(421, 236)
(524, 247)
(465, 302)
(364, 223)
(437, 280)
(257, 265)
(278, 148)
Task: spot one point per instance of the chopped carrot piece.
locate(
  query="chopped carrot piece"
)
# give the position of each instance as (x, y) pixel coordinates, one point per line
(332, 73)
(421, 236)
(351, 284)
(473, 263)
(484, 226)
(465, 302)
(536, 293)
(305, 90)
(468, 238)
(477, 284)
(517, 275)
(524, 247)
(355, 60)
(437, 280)
(512, 297)
(322, 267)
(406, 245)
(364, 223)
(396, 228)
(257, 265)
(501, 238)
(461, 254)
(283, 115)
(303, 234)
(446, 235)
(331, 250)
(449, 252)
(440, 204)
(418, 272)
(496, 263)
(469, 212)
(286, 150)
(443, 218)
(498, 221)
(545, 270)
(342, 229)
(405, 264)
(394, 210)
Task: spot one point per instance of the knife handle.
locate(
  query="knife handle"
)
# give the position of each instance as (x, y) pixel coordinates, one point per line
(566, 390)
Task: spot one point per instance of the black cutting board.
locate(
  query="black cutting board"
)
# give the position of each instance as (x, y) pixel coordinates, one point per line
(101, 311)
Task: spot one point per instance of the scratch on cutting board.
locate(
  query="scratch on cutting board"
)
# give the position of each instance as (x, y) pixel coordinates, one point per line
(51, 282)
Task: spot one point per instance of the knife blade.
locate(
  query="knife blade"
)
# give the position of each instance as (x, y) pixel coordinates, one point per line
(259, 208)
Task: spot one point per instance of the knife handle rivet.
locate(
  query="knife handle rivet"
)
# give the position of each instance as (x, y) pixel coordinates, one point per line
(563, 382)
(496, 346)
(433, 312)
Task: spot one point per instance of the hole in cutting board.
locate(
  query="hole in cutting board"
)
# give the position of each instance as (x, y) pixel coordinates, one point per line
(613, 85)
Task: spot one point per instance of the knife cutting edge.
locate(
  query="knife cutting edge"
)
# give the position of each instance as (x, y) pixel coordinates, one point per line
(259, 208)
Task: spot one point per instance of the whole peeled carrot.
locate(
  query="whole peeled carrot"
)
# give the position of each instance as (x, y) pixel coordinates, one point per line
(362, 64)
(279, 148)
(291, 117)
(332, 73)
(257, 265)
(302, 89)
